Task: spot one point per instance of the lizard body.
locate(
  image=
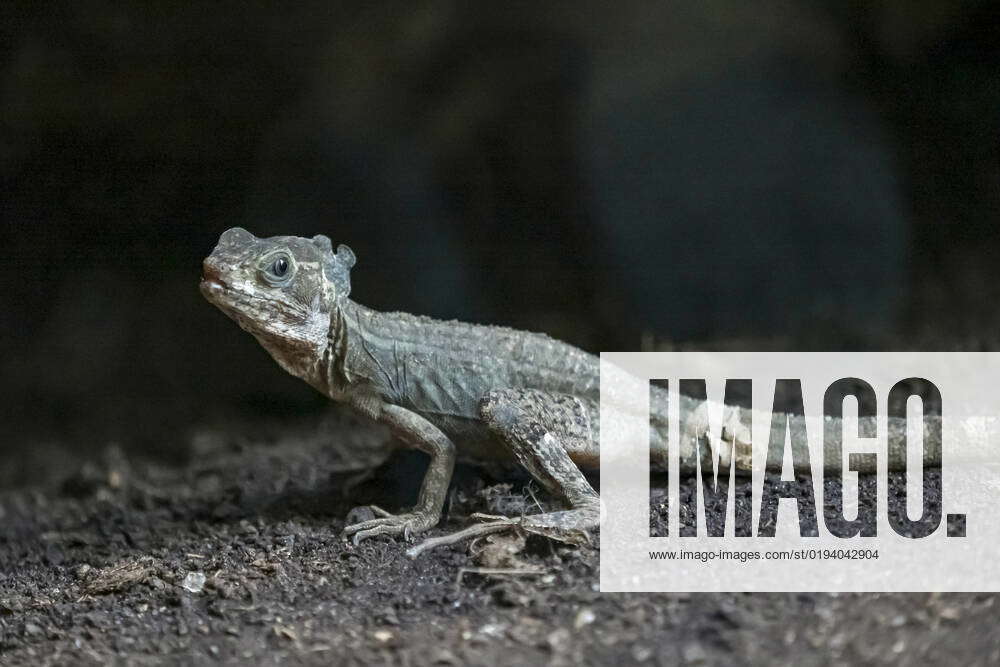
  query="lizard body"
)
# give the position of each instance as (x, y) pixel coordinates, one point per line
(442, 370)
(447, 388)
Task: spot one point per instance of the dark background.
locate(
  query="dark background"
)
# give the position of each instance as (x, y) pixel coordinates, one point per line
(782, 175)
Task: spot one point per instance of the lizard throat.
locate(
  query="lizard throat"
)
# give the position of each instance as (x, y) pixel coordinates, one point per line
(295, 337)
(301, 352)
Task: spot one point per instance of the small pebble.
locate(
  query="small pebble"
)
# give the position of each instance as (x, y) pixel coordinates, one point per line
(194, 582)
(950, 613)
(584, 618)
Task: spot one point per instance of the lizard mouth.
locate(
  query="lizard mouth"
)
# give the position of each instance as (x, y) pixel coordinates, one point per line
(221, 293)
(234, 300)
(212, 285)
(211, 288)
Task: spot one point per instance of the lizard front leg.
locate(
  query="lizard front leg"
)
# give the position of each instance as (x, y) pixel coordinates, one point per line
(417, 432)
(545, 432)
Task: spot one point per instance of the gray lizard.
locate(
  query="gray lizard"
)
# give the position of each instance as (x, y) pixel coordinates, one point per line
(447, 388)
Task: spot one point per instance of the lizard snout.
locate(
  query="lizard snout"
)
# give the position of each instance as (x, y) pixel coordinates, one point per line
(210, 271)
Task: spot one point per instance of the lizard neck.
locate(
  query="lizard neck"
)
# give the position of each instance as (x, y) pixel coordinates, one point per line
(337, 375)
(358, 349)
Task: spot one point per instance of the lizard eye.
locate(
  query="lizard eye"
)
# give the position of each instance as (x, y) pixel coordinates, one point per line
(279, 270)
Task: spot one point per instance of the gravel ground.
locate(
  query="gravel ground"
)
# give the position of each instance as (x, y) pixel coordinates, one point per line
(235, 556)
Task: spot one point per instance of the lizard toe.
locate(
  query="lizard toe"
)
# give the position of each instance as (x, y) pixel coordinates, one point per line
(406, 525)
(390, 530)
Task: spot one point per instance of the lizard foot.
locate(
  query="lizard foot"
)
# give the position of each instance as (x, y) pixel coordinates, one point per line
(390, 524)
(495, 524)
(569, 526)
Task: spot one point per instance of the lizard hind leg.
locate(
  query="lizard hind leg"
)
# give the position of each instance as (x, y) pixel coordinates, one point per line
(544, 432)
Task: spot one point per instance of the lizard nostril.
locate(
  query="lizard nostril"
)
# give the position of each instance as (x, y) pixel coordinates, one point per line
(210, 271)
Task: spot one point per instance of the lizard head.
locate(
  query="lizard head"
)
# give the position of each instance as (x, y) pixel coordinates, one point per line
(281, 289)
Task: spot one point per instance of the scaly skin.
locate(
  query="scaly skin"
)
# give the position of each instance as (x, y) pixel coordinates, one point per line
(447, 388)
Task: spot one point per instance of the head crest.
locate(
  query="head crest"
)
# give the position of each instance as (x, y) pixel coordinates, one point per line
(338, 264)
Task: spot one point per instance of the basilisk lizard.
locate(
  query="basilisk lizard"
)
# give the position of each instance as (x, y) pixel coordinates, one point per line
(447, 388)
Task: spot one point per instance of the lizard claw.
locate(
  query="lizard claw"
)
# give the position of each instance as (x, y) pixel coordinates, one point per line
(389, 524)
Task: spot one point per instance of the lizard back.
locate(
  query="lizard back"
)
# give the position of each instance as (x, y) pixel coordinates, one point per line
(446, 367)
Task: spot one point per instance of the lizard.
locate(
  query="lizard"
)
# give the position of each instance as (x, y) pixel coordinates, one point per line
(450, 389)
